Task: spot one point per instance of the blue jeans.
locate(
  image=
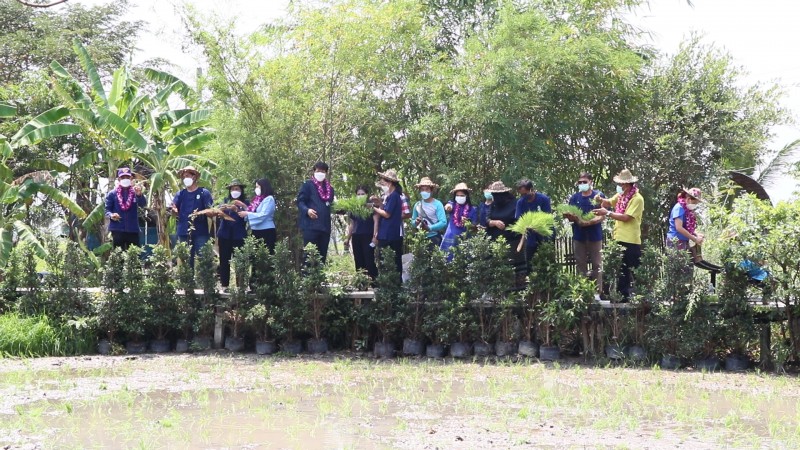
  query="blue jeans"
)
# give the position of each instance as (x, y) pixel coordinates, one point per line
(195, 244)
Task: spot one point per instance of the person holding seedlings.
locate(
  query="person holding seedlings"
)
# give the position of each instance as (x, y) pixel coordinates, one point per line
(260, 214)
(189, 205)
(462, 212)
(587, 235)
(390, 224)
(361, 237)
(122, 210)
(428, 214)
(314, 202)
(531, 200)
(683, 221)
(628, 206)
(231, 232)
(500, 215)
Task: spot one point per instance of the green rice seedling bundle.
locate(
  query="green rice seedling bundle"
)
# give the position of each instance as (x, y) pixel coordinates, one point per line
(354, 206)
(540, 222)
(575, 211)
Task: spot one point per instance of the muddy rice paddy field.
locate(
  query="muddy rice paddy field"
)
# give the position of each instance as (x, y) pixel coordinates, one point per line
(219, 400)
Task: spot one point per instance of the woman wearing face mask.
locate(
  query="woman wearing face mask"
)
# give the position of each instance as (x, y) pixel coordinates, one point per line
(122, 210)
(390, 225)
(231, 234)
(628, 206)
(587, 235)
(314, 203)
(483, 208)
(428, 214)
(360, 234)
(260, 214)
(192, 227)
(683, 221)
(462, 212)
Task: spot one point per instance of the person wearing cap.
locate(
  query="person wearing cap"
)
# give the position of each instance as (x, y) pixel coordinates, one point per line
(531, 200)
(360, 236)
(122, 210)
(587, 235)
(231, 234)
(260, 214)
(390, 224)
(628, 206)
(192, 227)
(428, 214)
(314, 203)
(461, 212)
(683, 221)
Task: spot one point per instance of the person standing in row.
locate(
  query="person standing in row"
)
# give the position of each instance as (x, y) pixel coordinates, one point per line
(360, 236)
(462, 212)
(484, 207)
(390, 224)
(192, 227)
(587, 235)
(683, 221)
(628, 206)
(231, 233)
(260, 214)
(314, 203)
(122, 210)
(531, 201)
(428, 213)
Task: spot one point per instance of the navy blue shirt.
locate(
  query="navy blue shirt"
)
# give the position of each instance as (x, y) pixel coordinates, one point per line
(232, 230)
(363, 226)
(308, 198)
(129, 220)
(189, 202)
(391, 229)
(593, 233)
(541, 203)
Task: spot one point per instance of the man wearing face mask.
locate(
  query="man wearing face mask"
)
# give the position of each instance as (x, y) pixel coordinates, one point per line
(587, 235)
(428, 214)
(314, 203)
(531, 200)
(192, 227)
(122, 210)
(682, 220)
(628, 206)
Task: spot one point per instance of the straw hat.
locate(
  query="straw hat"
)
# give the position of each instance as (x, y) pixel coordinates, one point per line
(694, 192)
(498, 187)
(390, 175)
(190, 169)
(235, 182)
(625, 177)
(426, 182)
(461, 187)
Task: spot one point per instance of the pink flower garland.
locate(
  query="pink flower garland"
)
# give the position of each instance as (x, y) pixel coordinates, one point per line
(458, 214)
(325, 194)
(256, 201)
(690, 221)
(622, 202)
(125, 204)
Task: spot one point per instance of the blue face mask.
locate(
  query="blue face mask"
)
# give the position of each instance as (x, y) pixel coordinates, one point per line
(583, 187)
(620, 190)
(425, 195)
(487, 195)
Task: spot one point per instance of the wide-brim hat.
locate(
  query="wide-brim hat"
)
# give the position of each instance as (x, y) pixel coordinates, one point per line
(625, 177)
(694, 192)
(498, 187)
(426, 182)
(390, 175)
(235, 182)
(190, 169)
(124, 172)
(461, 187)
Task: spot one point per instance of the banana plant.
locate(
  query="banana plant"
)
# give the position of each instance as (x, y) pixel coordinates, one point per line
(128, 124)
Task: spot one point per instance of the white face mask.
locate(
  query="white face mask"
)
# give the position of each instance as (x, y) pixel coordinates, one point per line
(384, 188)
(236, 194)
(320, 176)
(125, 182)
(362, 197)
(188, 181)
(258, 191)
(691, 206)
(461, 199)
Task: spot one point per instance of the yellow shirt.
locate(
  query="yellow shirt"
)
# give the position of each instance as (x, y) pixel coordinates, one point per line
(630, 231)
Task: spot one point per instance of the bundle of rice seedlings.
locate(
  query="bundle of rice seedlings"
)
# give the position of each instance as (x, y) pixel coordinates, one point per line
(352, 205)
(574, 210)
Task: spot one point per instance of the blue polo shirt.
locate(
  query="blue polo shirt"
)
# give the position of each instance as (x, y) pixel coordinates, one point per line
(129, 220)
(541, 203)
(391, 229)
(593, 233)
(189, 202)
(678, 212)
(232, 230)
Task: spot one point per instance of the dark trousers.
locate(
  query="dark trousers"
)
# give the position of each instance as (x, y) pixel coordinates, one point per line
(124, 239)
(631, 258)
(195, 244)
(268, 237)
(397, 246)
(364, 254)
(320, 239)
(226, 248)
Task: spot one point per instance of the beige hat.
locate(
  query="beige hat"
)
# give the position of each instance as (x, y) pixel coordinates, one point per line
(625, 177)
(498, 187)
(694, 192)
(426, 182)
(188, 169)
(390, 175)
(461, 187)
